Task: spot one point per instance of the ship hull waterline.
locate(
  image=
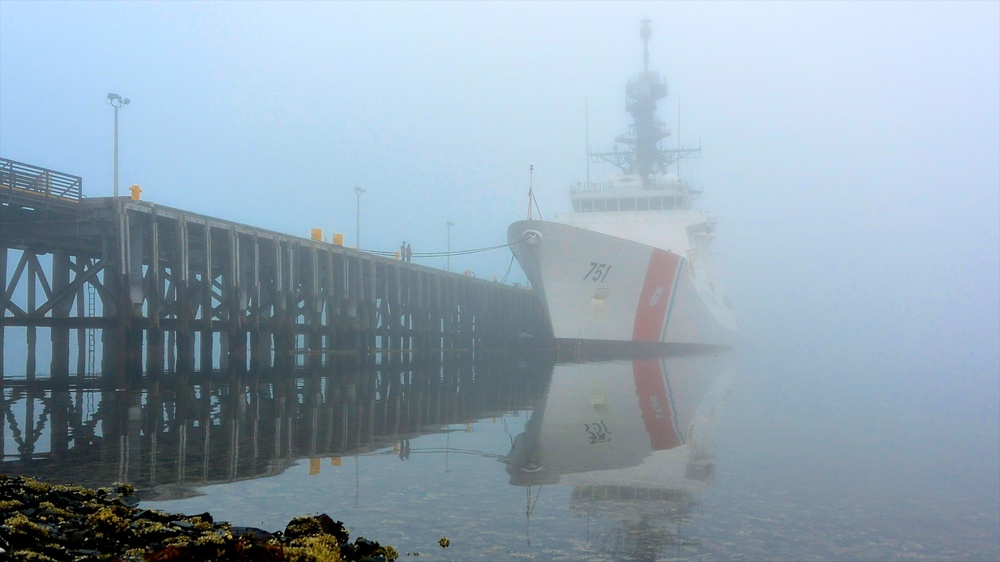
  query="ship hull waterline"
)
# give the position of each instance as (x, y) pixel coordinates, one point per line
(604, 292)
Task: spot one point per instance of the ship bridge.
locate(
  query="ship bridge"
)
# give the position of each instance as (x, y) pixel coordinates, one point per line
(630, 193)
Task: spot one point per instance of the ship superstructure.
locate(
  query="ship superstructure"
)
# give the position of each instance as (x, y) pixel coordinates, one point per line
(631, 262)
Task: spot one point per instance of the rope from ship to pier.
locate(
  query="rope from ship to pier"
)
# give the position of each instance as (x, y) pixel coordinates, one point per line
(445, 254)
(456, 253)
(506, 274)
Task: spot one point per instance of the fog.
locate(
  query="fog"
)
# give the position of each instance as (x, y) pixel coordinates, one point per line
(851, 156)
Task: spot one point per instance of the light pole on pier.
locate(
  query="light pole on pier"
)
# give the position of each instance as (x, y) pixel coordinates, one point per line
(117, 102)
(450, 224)
(357, 238)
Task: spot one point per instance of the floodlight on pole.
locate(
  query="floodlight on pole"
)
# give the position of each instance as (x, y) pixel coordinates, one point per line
(357, 239)
(448, 266)
(117, 102)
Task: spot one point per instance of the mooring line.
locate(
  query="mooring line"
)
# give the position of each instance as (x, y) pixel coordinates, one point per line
(444, 254)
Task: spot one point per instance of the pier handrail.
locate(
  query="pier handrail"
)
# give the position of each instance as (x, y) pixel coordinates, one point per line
(34, 181)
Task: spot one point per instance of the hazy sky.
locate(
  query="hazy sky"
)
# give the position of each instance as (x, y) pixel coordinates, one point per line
(851, 150)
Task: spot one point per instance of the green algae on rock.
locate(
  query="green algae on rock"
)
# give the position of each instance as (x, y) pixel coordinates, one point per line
(44, 522)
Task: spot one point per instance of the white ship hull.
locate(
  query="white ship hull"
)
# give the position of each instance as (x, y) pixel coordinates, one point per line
(601, 288)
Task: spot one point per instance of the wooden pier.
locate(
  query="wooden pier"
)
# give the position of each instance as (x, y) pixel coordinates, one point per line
(153, 289)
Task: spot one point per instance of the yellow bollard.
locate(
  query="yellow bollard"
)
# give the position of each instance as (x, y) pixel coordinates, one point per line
(317, 234)
(136, 190)
(338, 239)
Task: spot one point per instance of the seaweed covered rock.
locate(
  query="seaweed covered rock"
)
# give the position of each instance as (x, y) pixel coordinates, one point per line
(46, 522)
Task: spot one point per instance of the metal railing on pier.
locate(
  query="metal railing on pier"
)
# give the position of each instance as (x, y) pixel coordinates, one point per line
(27, 186)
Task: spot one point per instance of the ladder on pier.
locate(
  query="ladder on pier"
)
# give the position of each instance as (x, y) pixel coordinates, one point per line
(91, 333)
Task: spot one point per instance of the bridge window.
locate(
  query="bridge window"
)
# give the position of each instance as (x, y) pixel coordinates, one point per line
(599, 205)
(627, 204)
(586, 205)
(655, 203)
(612, 204)
(643, 203)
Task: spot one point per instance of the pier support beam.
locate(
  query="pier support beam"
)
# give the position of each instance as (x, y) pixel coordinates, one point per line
(172, 291)
(59, 366)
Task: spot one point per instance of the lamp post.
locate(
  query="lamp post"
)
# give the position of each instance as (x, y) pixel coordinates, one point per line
(450, 224)
(357, 238)
(117, 102)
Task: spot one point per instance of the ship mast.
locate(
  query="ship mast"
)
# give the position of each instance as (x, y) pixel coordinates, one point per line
(644, 156)
(645, 32)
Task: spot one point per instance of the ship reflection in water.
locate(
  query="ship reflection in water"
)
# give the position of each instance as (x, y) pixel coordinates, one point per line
(622, 446)
(633, 440)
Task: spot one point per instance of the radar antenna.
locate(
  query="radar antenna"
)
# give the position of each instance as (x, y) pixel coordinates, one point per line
(644, 157)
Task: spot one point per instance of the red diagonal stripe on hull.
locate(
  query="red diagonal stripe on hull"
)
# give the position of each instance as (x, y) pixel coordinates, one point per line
(655, 406)
(655, 297)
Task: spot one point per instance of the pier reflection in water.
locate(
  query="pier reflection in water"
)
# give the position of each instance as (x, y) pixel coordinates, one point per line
(603, 459)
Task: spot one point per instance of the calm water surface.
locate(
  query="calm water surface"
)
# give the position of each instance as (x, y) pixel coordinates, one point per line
(695, 457)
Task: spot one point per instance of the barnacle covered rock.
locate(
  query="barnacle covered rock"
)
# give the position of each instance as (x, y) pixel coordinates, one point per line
(46, 522)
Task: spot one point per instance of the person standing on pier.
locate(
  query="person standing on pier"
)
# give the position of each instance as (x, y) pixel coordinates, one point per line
(409, 253)
(402, 251)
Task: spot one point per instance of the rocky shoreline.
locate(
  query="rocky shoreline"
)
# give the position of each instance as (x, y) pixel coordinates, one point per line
(45, 522)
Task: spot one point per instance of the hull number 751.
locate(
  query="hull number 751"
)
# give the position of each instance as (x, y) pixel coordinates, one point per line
(598, 272)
